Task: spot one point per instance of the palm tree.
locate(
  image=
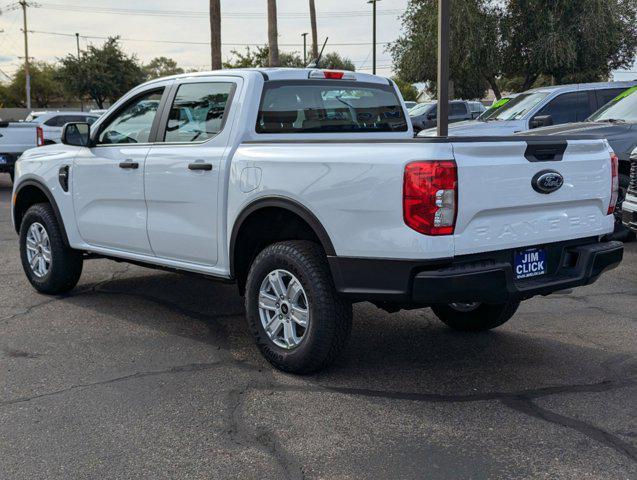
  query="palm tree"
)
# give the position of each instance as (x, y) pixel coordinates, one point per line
(314, 31)
(273, 34)
(215, 33)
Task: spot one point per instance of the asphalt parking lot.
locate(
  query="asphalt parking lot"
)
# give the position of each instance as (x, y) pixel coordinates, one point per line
(145, 374)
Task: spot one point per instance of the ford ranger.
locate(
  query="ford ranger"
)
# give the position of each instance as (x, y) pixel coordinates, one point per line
(307, 189)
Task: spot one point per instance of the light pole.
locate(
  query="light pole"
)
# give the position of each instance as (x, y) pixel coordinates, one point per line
(77, 40)
(27, 75)
(304, 35)
(24, 4)
(373, 2)
(443, 67)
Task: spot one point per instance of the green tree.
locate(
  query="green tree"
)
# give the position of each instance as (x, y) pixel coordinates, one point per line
(7, 98)
(407, 89)
(335, 61)
(259, 57)
(45, 86)
(103, 73)
(475, 57)
(570, 40)
(162, 67)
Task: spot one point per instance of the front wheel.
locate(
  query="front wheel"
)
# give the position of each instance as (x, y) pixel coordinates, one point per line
(475, 317)
(50, 265)
(297, 318)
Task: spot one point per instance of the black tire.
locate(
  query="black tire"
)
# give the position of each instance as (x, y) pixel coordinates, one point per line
(484, 317)
(621, 232)
(12, 175)
(66, 264)
(330, 316)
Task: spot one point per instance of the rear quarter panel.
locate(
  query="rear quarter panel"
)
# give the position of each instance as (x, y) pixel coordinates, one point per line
(354, 190)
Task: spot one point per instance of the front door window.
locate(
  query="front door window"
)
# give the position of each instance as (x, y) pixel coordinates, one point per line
(132, 124)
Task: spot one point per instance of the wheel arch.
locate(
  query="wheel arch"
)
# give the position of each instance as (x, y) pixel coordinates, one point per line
(30, 192)
(266, 206)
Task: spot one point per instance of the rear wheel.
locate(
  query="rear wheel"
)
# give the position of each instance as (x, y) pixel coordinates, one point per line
(475, 317)
(297, 318)
(50, 265)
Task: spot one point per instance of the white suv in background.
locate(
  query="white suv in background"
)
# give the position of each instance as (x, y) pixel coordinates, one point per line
(540, 107)
(52, 123)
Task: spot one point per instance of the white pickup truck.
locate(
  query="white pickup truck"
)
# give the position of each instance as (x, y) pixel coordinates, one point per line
(15, 138)
(307, 189)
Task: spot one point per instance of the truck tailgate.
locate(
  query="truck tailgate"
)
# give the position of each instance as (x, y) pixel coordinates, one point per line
(499, 208)
(17, 137)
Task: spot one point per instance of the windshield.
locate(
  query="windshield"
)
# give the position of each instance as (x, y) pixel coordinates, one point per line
(519, 106)
(622, 108)
(420, 109)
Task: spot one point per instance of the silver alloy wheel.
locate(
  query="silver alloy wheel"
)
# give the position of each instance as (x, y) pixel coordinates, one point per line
(38, 250)
(284, 309)
(465, 307)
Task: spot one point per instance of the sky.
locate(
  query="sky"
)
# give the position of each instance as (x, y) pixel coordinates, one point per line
(148, 29)
(347, 23)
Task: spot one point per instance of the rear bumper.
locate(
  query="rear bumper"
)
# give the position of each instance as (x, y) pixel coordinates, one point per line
(9, 165)
(487, 277)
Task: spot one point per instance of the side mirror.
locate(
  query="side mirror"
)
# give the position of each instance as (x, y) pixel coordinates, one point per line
(541, 121)
(77, 134)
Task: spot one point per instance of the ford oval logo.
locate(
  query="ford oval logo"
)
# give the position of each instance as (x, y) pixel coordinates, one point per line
(547, 181)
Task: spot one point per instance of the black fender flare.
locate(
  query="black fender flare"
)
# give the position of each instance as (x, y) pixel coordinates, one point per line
(286, 204)
(47, 193)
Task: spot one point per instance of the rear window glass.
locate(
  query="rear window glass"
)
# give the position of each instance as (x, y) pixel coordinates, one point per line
(329, 106)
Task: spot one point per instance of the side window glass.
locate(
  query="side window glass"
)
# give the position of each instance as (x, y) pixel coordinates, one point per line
(63, 120)
(458, 109)
(198, 111)
(53, 122)
(605, 96)
(568, 107)
(133, 123)
(90, 120)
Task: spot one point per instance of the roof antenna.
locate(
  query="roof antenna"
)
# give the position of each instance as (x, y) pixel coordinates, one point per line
(315, 63)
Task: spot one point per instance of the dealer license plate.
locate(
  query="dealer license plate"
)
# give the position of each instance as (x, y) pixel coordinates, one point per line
(530, 263)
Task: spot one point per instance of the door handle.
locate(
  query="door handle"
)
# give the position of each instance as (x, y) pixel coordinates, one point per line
(129, 164)
(200, 166)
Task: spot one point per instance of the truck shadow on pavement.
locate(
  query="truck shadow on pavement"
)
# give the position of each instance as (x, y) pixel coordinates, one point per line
(403, 356)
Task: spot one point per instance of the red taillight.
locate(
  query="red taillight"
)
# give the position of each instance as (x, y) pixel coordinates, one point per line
(430, 197)
(332, 75)
(614, 183)
(39, 135)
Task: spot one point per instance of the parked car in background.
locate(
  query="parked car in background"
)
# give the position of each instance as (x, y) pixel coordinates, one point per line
(629, 213)
(409, 104)
(15, 138)
(616, 122)
(52, 123)
(477, 108)
(425, 115)
(542, 107)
